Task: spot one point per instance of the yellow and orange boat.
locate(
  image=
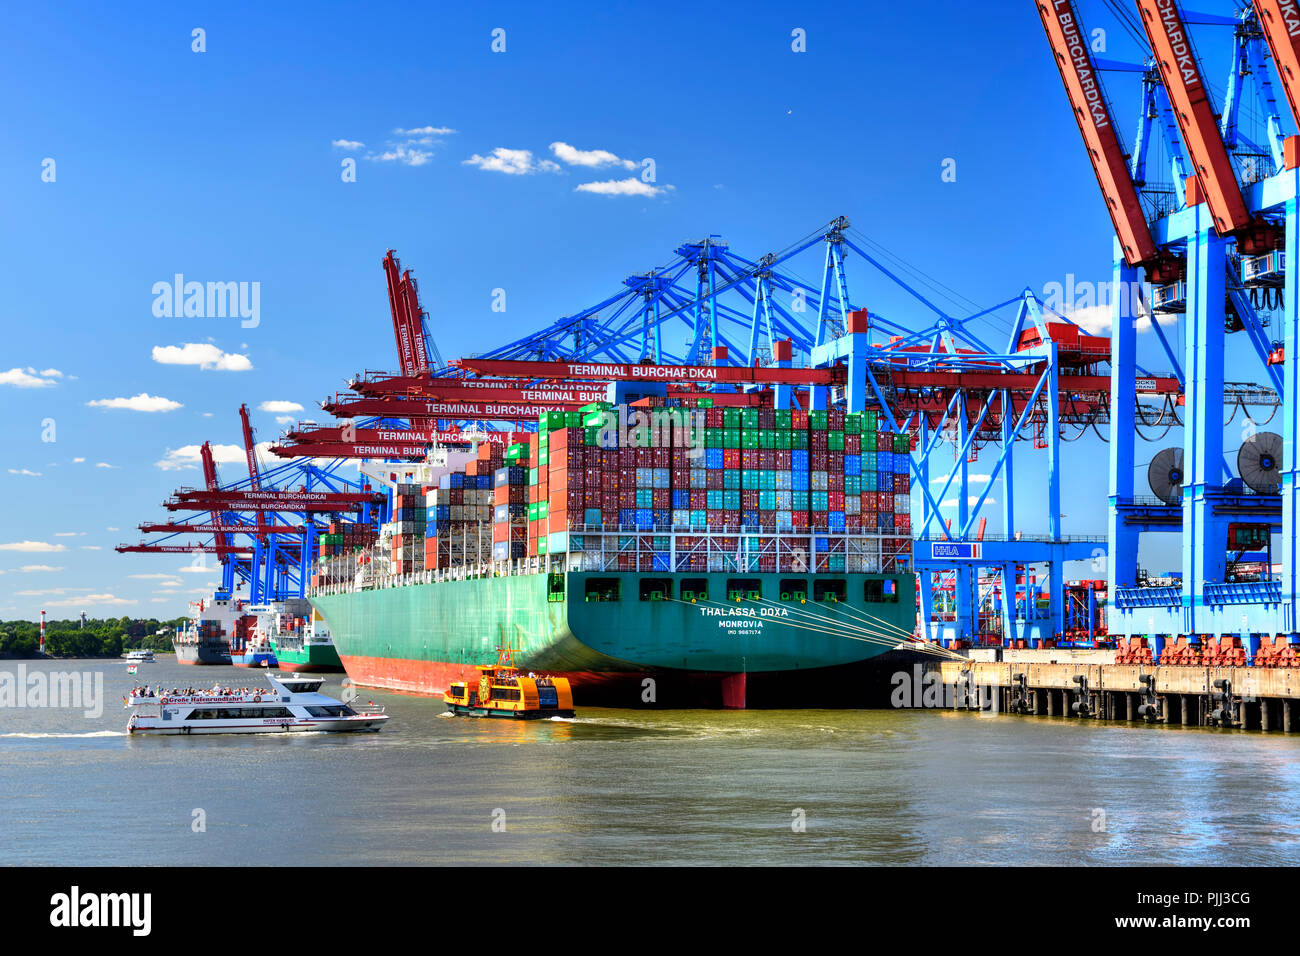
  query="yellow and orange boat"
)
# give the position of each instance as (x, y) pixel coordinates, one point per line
(502, 691)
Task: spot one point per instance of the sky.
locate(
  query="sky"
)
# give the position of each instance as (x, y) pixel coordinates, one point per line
(129, 156)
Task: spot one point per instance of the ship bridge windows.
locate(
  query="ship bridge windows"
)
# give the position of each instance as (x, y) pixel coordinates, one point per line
(880, 591)
(794, 589)
(602, 589)
(555, 587)
(830, 592)
(656, 589)
(694, 589)
(744, 589)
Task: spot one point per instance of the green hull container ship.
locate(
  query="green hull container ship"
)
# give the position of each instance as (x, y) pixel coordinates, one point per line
(730, 639)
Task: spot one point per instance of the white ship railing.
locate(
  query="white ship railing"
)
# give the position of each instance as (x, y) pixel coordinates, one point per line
(629, 549)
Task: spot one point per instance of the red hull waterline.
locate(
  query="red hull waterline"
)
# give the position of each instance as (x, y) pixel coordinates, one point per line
(432, 678)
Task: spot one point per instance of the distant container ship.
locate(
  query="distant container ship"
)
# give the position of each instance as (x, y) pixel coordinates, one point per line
(767, 557)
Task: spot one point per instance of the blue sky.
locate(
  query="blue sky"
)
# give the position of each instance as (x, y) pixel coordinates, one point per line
(223, 165)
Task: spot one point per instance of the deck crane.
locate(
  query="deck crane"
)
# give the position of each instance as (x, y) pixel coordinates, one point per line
(1216, 179)
(1109, 161)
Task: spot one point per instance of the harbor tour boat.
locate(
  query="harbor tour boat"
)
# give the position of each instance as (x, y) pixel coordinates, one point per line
(139, 657)
(502, 691)
(291, 703)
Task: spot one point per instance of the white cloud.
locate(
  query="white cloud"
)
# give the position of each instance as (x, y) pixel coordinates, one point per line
(187, 456)
(78, 461)
(592, 158)
(159, 600)
(623, 187)
(144, 402)
(91, 547)
(971, 501)
(30, 378)
(24, 471)
(284, 419)
(150, 577)
(32, 546)
(513, 162)
(406, 155)
(110, 529)
(69, 534)
(971, 479)
(279, 406)
(30, 568)
(104, 464)
(351, 145)
(203, 355)
(425, 131)
(92, 599)
(194, 569)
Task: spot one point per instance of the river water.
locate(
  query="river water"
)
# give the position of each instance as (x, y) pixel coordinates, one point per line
(625, 787)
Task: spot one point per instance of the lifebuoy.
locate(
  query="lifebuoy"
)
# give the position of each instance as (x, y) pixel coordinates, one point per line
(257, 699)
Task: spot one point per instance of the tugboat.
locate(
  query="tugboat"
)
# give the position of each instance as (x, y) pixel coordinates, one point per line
(502, 691)
(292, 704)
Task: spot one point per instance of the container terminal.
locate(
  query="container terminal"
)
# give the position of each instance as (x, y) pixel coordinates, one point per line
(729, 477)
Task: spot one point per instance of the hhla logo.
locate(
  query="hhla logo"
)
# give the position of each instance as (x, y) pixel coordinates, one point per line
(210, 300)
(74, 909)
(57, 689)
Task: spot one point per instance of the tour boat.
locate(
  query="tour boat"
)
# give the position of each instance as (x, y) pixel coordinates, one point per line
(291, 703)
(139, 657)
(502, 691)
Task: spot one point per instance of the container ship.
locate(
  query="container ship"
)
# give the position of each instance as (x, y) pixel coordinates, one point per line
(750, 554)
(215, 622)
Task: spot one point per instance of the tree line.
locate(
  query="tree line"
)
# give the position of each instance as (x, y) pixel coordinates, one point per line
(101, 637)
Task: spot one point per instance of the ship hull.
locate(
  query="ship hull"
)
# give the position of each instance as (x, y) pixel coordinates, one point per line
(254, 659)
(311, 658)
(624, 652)
(203, 654)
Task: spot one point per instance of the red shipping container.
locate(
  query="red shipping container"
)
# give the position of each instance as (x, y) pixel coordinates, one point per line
(836, 498)
(714, 418)
(681, 458)
(558, 458)
(835, 461)
(609, 501)
(903, 522)
(681, 478)
(799, 519)
(609, 516)
(627, 498)
(558, 439)
(610, 481)
(835, 420)
(835, 482)
(884, 503)
(749, 500)
(698, 499)
(591, 499)
(799, 419)
(853, 522)
(661, 498)
(641, 458)
(782, 460)
(611, 458)
(749, 458)
(661, 457)
(818, 440)
(715, 518)
(713, 478)
(767, 459)
(731, 458)
(500, 533)
(852, 444)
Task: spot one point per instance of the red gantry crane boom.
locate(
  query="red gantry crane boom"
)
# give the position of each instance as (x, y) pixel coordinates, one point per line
(254, 478)
(1181, 74)
(1073, 58)
(1280, 21)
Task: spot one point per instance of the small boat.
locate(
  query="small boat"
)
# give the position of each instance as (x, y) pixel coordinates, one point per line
(139, 657)
(292, 703)
(502, 691)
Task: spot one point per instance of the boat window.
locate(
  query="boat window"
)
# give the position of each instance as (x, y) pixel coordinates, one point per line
(744, 589)
(695, 589)
(341, 710)
(832, 591)
(656, 589)
(237, 713)
(602, 589)
(880, 591)
(505, 693)
(794, 589)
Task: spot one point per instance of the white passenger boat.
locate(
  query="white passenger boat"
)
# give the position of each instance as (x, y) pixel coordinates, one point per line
(139, 657)
(291, 703)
